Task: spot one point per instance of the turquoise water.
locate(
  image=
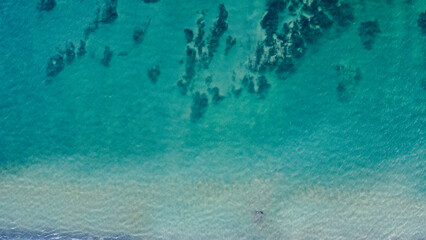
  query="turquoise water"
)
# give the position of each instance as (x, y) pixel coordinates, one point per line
(334, 149)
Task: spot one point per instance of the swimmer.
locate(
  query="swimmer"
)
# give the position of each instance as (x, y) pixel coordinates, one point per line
(258, 218)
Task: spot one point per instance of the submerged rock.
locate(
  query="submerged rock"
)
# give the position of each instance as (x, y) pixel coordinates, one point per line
(191, 56)
(270, 20)
(154, 73)
(262, 86)
(293, 5)
(251, 87)
(329, 3)
(81, 51)
(236, 92)
(218, 30)
(248, 83)
(321, 19)
(307, 32)
(343, 14)
(183, 89)
(55, 65)
(199, 106)
(349, 78)
(138, 35)
(230, 42)
(349, 74)
(221, 25)
(341, 87)
(285, 68)
(107, 56)
(90, 29)
(342, 95)
(139, 32)
(199, 42)
(94, 25)
(311, 7)
(208, 80)
(246, 80)
(260, 50)
(46, 5)
(216, 97)
(108, 12)
(422, 21)
(189, 35)
(297, 47)
(70, 53)
(368, 32)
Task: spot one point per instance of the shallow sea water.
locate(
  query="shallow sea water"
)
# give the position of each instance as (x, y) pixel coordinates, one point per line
(102, 152)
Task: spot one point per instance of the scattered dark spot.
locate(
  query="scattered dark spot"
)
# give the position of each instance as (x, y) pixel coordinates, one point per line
(199, 106)
(70, 53)
(81, 51)
(367, 32)
(423, 84)
(107, 56)
(150, 1)
(109, 11)
(55, 65)
(422, 21)
(154, 73)
(230, 42)
(216, 97)
(122, 54)
(189, 35)
(46, 5)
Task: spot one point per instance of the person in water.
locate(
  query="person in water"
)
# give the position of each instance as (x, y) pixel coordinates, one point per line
(258, 218)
